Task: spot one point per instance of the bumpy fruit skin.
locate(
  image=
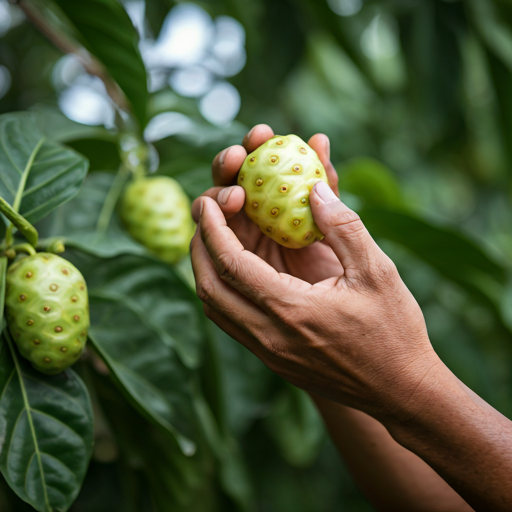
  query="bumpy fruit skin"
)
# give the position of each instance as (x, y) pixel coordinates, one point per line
(47, 311)
(156, 212)
(277, 179)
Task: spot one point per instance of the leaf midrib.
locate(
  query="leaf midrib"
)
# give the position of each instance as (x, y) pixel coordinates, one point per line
(30, 420)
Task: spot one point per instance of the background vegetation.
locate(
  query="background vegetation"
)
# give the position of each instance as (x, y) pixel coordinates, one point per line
(416, 98)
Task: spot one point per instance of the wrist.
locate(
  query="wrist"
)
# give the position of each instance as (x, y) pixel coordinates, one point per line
(429, 387)
(436, 408)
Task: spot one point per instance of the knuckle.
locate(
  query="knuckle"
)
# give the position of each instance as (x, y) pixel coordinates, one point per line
(288, 317)
(385, 272)
(269, 341)
(227, 266)
(275, 349)
(347, 221)
(205, 290)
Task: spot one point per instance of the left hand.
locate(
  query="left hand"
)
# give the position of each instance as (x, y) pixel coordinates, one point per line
(358, 338)
(313, 263)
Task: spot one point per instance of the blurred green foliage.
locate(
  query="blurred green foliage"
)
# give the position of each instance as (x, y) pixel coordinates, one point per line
(416, 97)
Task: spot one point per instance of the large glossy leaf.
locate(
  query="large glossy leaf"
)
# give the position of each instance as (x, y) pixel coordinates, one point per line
(451, 253)
(371, 180)
(77, 222)
(146, 369)
(167, 305)
(59, 128)
(39, 174)
(46, 432)
(108, 33)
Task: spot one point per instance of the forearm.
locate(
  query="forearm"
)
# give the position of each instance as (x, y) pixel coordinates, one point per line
(392, 477)
(462, 437)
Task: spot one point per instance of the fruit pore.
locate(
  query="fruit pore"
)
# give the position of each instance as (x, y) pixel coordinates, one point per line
(47, 311)
(277, 179)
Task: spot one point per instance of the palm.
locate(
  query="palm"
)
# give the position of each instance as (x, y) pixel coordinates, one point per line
(313, 263)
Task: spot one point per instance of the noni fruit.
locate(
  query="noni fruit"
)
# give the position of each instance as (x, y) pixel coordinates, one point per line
(156, 212)
(277, 179)
(47, 311)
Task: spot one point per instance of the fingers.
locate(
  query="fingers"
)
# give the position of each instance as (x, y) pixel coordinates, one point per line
(218, 295)
(230, 199)
(257, 136)
(320, 143)
(242, 269)
(343, 231)
(226, 165)
(237, 333)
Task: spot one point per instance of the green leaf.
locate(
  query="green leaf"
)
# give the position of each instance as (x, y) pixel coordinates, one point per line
(166, 304)
(108, 33)
(145, 368)
(47, 432)
(77, 222)
(57, 127)
(37, 175)
(371, 180)
(451, 253)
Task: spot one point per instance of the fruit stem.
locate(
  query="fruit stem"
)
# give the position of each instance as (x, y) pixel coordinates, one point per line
(111, 200)
(24, 248)
(53, 245)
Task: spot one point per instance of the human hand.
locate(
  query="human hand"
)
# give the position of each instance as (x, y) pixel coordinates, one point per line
(312, 263)
(358, 338)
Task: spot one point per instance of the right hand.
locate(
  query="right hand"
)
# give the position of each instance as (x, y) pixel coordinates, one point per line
(231, 198)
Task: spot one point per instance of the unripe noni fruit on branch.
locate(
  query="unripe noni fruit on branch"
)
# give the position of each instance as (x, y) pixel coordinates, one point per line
(156, 213)
(277, 179)
(47, 311)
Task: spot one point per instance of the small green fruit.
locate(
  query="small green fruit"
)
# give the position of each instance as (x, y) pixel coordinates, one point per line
(47, 311)
(156, 212)
(277, 179)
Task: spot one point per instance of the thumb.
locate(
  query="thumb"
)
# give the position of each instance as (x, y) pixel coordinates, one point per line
(344, 231)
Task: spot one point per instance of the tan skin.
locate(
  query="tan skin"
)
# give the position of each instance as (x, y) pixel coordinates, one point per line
(336, 320)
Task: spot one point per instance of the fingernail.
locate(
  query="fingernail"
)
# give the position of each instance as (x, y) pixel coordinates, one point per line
(223, 156)
(223, 196)
(201, 207)
(325, 192)
(328, 147)
(248, 136)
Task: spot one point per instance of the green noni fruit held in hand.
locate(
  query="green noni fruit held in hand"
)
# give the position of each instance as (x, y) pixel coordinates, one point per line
(277, 179)
(156, 212)
(47, 311)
